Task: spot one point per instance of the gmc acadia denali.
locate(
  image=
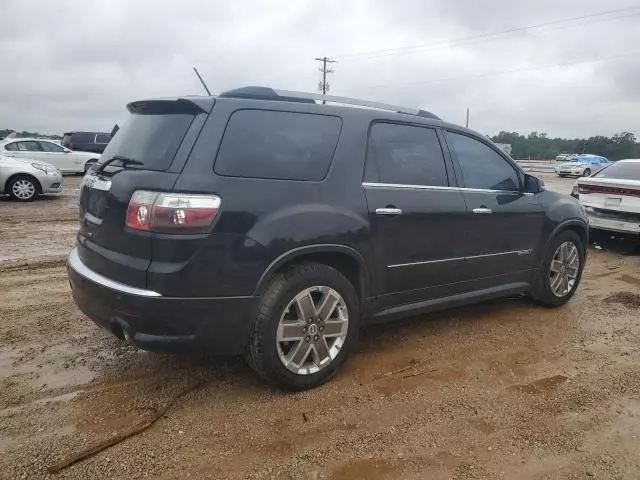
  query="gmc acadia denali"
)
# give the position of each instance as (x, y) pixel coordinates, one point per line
(274, 224)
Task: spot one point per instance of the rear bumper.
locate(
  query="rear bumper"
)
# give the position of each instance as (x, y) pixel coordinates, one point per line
(218, 325)
(614, 225)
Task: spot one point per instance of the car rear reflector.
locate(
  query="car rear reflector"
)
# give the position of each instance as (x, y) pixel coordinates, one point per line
(587, 189)
(171, 212)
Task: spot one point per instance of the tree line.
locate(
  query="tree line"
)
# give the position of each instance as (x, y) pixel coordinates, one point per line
(541, 146)
(8, 131)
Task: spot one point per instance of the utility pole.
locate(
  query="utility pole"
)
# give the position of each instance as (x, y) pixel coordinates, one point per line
(467, 123)
(323, 86)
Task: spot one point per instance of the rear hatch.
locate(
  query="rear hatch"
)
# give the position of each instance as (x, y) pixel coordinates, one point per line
(147, 153)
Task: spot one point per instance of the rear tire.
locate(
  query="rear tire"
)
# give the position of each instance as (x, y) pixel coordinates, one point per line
(549, 287)
(23, 188)
(283, 306)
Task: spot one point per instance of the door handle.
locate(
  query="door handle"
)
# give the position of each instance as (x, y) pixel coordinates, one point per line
(482, 211)
(389, 211)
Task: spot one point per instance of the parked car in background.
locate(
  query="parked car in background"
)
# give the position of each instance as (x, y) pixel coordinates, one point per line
(94, 142)
(611, 197)
(62, 158)
(582, 166)
(24, 179)
(263, 223)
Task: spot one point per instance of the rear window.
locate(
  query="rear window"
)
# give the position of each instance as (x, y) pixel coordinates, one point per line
(150, 139)
(623, 170)
(278, 145)
(66, 139)
(103, 138)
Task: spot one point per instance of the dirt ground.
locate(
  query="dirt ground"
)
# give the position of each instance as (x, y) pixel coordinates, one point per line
(505, 389)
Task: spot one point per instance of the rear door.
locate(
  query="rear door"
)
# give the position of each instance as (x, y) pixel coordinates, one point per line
(159, 134)
(415, 215)
(503, 225)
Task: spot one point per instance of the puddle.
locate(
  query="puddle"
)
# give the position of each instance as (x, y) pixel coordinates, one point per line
(542, 384)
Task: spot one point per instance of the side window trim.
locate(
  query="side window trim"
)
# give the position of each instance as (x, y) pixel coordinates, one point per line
(445, 155)
(508, 161)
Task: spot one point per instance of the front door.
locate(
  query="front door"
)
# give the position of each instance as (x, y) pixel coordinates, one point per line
(503, 224)
(57, 156)
(415, 215)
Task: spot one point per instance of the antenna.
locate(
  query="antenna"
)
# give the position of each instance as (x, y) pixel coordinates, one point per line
(201, 81)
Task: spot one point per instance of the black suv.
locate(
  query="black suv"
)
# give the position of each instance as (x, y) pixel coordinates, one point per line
(94, 142)
(260, 222)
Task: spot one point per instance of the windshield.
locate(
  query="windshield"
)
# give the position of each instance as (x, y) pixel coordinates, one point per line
(623, 170)
(152, 140)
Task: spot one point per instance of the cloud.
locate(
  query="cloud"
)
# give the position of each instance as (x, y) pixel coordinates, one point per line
(75, 64)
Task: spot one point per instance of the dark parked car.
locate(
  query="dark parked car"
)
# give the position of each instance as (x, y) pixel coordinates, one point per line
(94, 142)
(263, 223)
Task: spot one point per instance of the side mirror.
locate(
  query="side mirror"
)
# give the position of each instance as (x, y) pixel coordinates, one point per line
(532, 184)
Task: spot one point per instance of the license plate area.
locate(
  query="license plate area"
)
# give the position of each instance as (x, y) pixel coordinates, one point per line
(612, 201)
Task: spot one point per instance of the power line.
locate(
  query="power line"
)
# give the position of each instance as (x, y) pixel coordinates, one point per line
(323, 86)
(555, 25)
(502, 72)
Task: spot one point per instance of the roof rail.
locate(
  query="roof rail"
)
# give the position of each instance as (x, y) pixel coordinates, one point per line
(265, 93)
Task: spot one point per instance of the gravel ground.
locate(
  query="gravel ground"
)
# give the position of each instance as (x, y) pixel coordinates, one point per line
(504, 389)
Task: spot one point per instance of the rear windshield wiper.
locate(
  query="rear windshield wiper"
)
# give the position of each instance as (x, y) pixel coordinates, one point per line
(125, 161)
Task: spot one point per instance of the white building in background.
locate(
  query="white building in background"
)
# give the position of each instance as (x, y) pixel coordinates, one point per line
(505, 147)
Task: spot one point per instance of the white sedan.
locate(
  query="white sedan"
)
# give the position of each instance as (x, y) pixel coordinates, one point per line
(65, 160)
(611, 197)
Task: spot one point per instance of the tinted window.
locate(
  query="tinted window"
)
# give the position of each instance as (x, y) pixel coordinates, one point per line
(279, 145)
(103, 138)
(407, 155)
(483, 167)
(66, 139)
(150, 139)
(28, 146)
(12, 147)
(51, 147)
(83, 138)
(624, 170)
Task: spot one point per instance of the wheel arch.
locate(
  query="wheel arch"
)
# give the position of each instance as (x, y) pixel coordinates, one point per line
(346, 260)
(22, 174)
(577, 226)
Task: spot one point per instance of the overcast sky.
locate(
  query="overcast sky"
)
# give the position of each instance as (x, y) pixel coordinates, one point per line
(73, 65)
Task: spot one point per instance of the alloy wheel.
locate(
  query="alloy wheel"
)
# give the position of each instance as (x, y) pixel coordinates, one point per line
(564, 269)
(312, 330)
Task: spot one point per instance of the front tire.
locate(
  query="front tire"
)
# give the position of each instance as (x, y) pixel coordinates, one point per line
(587, 172)
(561, 270)
(23, 188)
(306, 324)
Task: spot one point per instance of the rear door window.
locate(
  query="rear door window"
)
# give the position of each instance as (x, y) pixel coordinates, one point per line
(102, 138)
(12, 147)
(51, 147)
(482, 167)
(278, 145)
(152, 139)
(407, 155)
(82, 138)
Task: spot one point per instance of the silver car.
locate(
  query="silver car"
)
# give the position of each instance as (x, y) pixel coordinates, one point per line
(24, 179)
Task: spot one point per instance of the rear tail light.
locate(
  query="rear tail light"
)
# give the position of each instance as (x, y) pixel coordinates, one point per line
(172, 212)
